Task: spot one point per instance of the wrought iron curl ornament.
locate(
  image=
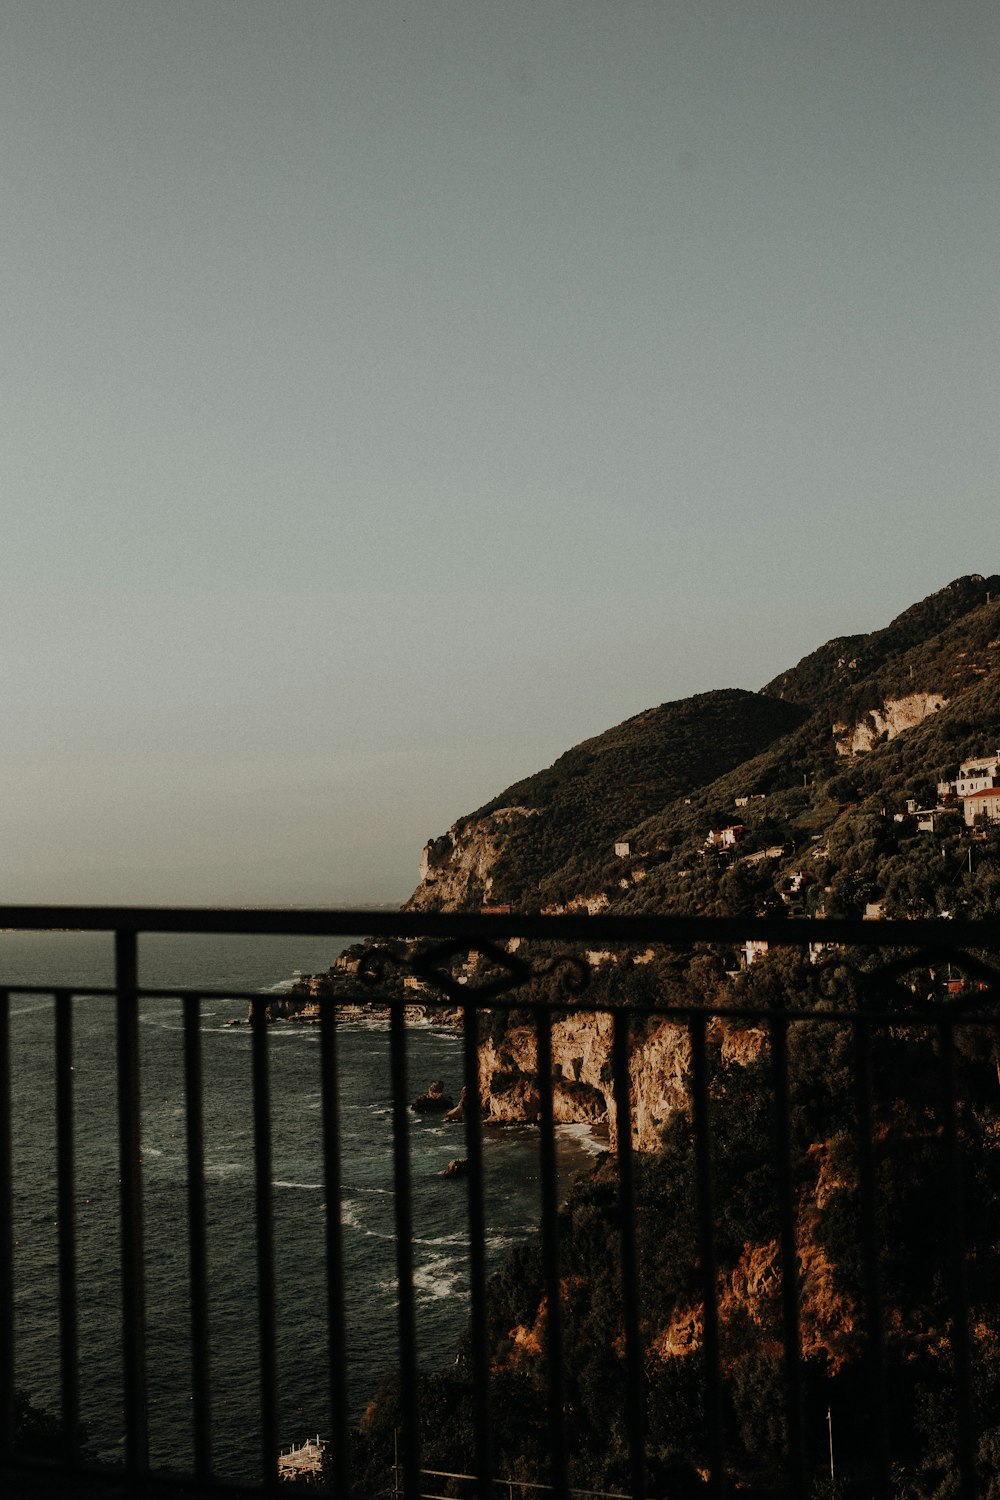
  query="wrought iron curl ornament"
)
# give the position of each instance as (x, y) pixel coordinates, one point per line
(383, 964)
(889, 985)
(573, 972)
(887, 982)
(377, 964)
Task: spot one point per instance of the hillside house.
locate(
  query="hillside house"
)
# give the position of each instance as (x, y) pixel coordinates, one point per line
(724, 838)
(753, 949)
(623, 849)
(979, 775)
(984, 802)
(793, 889)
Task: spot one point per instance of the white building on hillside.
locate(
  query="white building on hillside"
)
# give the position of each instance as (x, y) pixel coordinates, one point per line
(979, 775)
(986, 801)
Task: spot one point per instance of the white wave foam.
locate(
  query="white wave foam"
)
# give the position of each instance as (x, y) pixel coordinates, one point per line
(349, 1214)
(309, 1186)
(585, 1137)
(350, 1218)
(434, 1281)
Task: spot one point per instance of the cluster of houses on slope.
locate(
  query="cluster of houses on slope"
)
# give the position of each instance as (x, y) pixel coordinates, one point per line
(977, 787)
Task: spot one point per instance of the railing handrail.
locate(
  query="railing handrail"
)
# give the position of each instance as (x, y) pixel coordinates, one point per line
(569, 926)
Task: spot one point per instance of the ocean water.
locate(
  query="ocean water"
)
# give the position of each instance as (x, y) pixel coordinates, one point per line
(440, 1206)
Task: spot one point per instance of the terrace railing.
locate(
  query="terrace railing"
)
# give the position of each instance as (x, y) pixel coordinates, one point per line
(898, 986)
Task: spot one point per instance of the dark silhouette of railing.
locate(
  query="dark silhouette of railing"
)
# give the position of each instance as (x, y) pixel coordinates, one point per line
(895, 959)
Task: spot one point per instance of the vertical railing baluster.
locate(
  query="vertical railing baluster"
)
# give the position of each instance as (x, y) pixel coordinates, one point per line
(875, 1351)
(789, 1256)
(265, 1243)
(477, 1254)
(409, 1413)
(335, 1311)
(6, 1235)
(69, 1351)
(197, 1255)
(706, 1253)
(133, 1276)
(954, 1175)
(558, 1470)
(634, 1378)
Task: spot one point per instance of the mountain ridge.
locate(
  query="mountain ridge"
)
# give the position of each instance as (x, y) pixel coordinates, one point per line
(810, 744)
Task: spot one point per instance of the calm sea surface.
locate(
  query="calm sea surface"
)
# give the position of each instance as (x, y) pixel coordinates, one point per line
(82, 959)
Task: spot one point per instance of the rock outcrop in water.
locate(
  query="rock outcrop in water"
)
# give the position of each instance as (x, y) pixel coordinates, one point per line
(434, 1102)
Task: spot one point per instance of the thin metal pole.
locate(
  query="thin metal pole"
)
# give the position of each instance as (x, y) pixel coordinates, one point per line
(6, 1236)
(707, 1253)
(829, 1424)
(477, 1255)
(409, 1413)
(875, 1353)
(133, 1287)
(558, 1469)
(635, 1381)
(265, 1245)
(65, 1174)
(789, 1257)
(197, 1253)
(965, 1407)
(336, 1319)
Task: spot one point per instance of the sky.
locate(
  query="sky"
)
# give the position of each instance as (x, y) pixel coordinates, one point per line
(398, 393)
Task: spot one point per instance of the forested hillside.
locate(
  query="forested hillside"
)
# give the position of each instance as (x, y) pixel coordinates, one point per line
(813, 769)
(820, 795)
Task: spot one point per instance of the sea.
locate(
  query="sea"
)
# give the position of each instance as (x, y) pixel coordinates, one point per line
(259, 964)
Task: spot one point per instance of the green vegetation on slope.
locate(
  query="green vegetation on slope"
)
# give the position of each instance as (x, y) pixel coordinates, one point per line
(618, 778)
(664, 778)
(913, 1183)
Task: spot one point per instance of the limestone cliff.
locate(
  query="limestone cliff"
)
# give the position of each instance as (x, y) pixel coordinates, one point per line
(456, 870)
(624, 822)
(582, 1083)
(885, 722)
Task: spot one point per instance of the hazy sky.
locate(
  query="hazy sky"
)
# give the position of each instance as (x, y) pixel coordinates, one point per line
(396, 394)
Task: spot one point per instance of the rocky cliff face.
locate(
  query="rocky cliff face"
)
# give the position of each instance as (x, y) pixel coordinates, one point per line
(583, 1087)
(456, 870)
(656, 786)
(885, 722)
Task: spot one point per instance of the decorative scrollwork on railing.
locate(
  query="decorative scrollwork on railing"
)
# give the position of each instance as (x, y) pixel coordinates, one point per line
(432, 966)
(573, 972)
(890, 979)
(377, 964)
(503, 971)
(909, 981)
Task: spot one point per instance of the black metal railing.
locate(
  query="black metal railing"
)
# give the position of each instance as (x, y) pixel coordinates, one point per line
(883, 981)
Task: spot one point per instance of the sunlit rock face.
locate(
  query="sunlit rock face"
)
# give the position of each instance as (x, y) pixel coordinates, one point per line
(456, 870)
(895, 715)
(582, 1082)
